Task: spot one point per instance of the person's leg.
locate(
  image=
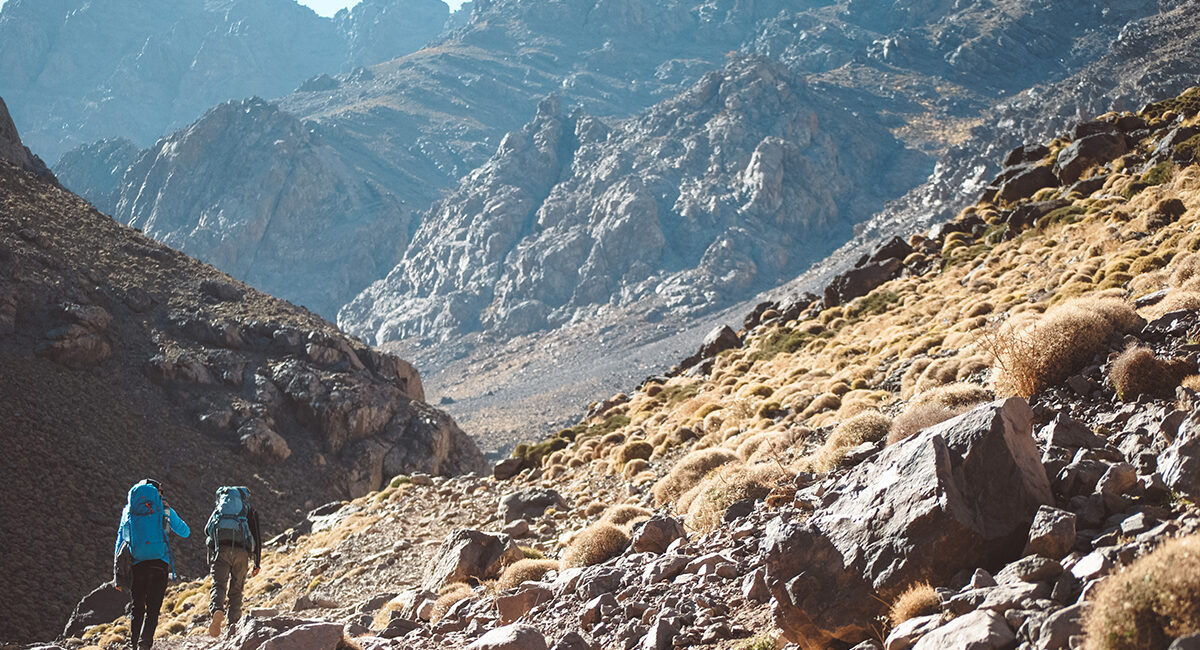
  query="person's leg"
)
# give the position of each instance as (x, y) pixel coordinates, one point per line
(137, 602)
(240, 565)
(220, 576)
(156, 588)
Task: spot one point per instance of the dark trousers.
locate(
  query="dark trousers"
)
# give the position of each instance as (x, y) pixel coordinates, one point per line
(149, 586)
(229, 576)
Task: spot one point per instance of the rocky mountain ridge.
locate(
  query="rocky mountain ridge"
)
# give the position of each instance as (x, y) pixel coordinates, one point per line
(994, 447)
(74, 74)
(125, 359)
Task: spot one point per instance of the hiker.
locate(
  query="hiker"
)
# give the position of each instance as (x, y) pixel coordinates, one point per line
(232, 536)
(143, 558)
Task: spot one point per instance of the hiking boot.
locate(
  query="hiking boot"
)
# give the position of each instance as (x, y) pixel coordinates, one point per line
(214, 628)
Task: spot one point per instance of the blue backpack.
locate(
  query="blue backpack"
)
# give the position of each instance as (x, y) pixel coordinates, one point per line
(147, 524)
(229, 522)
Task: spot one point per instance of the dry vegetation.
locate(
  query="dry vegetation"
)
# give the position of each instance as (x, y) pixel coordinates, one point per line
(919, 599)
(1150, 602)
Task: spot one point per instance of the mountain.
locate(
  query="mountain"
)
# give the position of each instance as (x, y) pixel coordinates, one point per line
(993, 446)
(125, 359)
(74, 73)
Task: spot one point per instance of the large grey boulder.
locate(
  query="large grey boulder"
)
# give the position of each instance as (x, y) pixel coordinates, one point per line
(1179, 465)
(104, 604)
(529, 504)
(470, 554)
(980, 630)
(511, 637)
(312, 636)
(958, 495)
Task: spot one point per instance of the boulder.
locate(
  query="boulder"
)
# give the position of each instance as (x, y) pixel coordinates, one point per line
(511, 637)
(252, 633)
(958, 495)
(1086, 152)
(979, 630)
(470, 554)
(1026, 182)
(507, 468)
(529, 504)
(1052, 534)
(860, 281)
(261, 442)
(312, 636)
(655, 535)
(572, 641)
(515, 605)
(1179, 464)
(104, 604)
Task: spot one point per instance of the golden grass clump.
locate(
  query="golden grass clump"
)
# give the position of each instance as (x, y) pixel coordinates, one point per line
(1150, 602)
(634, 449)
(920, 599)
(689, 471)
(958, 394)
(597, 543)
(448, 596)
(594, 508)
(523, 570)
(625, 514)
(705, 504)
(634, 467)
(1138, 372)
(868, 426)
(921, 415)
(1061, 342)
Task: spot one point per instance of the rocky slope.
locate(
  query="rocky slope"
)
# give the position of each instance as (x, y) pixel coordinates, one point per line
(125, 359)
(75, 73)
(992, 445)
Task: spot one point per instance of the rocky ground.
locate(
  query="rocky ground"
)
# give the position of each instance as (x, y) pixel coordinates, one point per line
(983, 437)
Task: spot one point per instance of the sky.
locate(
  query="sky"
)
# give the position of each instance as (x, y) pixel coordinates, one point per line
(330, 7)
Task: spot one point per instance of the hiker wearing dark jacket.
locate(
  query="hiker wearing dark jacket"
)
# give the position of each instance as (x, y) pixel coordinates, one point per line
(143, 540)
(234, 538)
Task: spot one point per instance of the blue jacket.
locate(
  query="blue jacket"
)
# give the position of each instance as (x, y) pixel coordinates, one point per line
(171, 523)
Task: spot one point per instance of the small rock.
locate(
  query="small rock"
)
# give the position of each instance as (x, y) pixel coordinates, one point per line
(655, 535)
(511, 637)
(1052, 534)
(979, 630)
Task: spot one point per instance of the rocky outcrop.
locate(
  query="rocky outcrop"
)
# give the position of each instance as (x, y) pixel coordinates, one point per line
(470, 554)
(958, 495)
(77, 74)
(13, 151)
(691, 205)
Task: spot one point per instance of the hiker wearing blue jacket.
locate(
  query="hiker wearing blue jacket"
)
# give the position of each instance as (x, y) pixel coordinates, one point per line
(142, 557)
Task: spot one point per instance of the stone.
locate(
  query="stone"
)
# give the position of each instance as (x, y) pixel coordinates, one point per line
(1031, 568)
(311, 636)
(1086, 152)
(1091, 566)
(979, 630)
(572, 640)
(507, 468)
(655, 535)
(13, 151)
(262, 443)
(906, 634)
(1052, 534)
(1025, 183)
(1059, 627)
(104, 604)
(664, 568)
(1115, 482)
(511, 637)
(397, 627)
(860, 281)
(470, 554)
(515, 605)
(661, 635)
(529, 504)
(1179, 464)
(958, 495)
(1069, 433)
(596, 609)
(1189, 642)
(754, 586)
(518, 528)
(981, 579)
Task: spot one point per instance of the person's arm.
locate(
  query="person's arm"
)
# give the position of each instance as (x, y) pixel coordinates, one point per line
(177, 524)
(122, 533)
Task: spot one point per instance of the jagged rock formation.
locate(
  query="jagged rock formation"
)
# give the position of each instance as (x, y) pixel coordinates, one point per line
(125, 359)
(13, 151)
(730, 187)
(75, 74)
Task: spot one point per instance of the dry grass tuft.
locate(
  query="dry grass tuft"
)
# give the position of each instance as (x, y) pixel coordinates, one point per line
(920, 599)
(448, 596)
(523, 570)
(689, 471)
(623, 515)
(869, 426)
(705, 504)
(1149, 602)
(921, 416)
(597, 543)
(1061, 342)
(1138, 372)
(955, 395)
(634, 467)
(632, 450)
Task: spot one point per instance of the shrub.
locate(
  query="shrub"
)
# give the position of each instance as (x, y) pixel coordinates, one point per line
(633, 449)
(1150, 602)
(623, 515)
(868, 426)
(921, 416)
(705, 505)
(688, 472)
(594, 508)
(1138, 372)
(757, 642)
(597, 543)
(958, 394)
(1156, 175)
(634, 467)
(920, 599)
(1061, 342)
(448, 596)
(522, 570)
(1185, 268)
